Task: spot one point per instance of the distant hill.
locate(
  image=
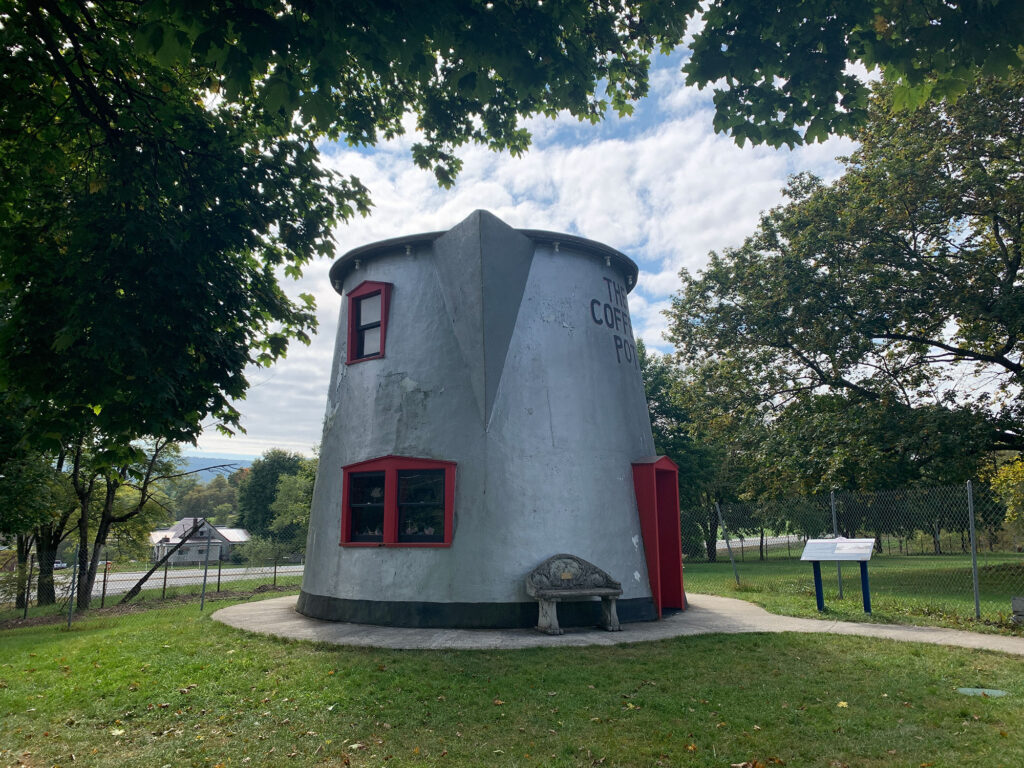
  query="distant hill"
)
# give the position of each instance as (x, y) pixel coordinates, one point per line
(193, 463)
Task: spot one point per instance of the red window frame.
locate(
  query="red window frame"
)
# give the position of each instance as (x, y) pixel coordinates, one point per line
(364, 290)
(391, 466)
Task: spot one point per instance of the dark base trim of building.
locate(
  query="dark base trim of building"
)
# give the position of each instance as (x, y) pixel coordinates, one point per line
(583, 613)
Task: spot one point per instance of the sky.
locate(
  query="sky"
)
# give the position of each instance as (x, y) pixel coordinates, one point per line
(660, 186)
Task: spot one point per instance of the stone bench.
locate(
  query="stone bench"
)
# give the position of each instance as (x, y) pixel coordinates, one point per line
(567, 577)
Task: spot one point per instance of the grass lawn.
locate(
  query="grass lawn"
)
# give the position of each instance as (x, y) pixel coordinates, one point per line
(933, 590)
(174, 688)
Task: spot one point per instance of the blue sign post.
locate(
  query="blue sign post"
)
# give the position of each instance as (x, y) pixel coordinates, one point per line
(839, 550)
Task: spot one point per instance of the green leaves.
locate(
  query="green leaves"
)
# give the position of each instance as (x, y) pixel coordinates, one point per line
(864, 315)
(780, 69)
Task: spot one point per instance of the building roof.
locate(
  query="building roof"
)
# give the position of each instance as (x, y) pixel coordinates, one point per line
(410, 243)
(175, 533)
(234, 535)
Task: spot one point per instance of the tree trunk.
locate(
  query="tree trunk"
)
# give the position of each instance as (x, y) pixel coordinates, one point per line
(84, 585)
(167, 556)
(711, 535)
(23, 544)
(936, 541)
(761, 546)
(879, 547)
(48, 539)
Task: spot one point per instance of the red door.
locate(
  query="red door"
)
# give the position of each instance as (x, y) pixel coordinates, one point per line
(656, 482)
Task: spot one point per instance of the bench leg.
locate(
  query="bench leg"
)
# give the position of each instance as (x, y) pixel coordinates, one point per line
(547, 619)
(609, 616)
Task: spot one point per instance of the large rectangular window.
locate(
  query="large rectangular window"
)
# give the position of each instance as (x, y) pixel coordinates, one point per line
(398, 501)
(368, 306)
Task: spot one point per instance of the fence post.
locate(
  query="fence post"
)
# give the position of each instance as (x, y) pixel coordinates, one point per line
(206, 570)
(974, 550)
(835, 534)
(275, 570)
(74, 582)
(28, 585)
(106, 570)
(220, 561)
(728, 546)
(163, 592)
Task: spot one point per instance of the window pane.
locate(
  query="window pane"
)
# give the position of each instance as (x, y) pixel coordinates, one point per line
(421, 505)
(421, 486)
(367, 523)
(369, 342)
(366, 488)
(420, 523)
(369, 310)
(366, 506)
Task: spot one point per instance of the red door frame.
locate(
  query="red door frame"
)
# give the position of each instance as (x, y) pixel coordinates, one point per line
(656, 483)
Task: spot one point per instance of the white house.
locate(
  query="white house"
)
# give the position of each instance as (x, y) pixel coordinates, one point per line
(220, 540)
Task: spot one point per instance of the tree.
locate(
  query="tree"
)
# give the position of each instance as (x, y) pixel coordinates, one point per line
(114, 493)
(141, 227)
(878, 319)
(258, 489)
(688, 428)
(781, 69)
(293, 502)
(1008, 486)
(34, 508)
(217, 501)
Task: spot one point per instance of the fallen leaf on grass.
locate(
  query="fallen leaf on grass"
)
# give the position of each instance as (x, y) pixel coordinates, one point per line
(843, 705)
(498, 702)
(117, 731)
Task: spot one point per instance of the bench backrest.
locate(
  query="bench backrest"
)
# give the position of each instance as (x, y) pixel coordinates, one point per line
(568, 572)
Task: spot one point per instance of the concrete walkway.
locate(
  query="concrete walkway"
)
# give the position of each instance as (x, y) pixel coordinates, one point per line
(707, 614)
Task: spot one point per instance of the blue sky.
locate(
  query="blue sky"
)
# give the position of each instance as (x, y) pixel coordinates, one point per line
(660, 186)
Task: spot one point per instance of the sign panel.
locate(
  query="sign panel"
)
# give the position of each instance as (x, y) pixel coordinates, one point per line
(838, 549)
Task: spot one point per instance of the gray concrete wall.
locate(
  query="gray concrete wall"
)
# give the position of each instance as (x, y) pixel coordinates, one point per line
(494, 360)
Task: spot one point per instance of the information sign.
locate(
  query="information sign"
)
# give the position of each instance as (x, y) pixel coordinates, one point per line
(840, 549)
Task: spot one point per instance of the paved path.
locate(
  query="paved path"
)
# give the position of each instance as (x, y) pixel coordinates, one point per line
(707, 614)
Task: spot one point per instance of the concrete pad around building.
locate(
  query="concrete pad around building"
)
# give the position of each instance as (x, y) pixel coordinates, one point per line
(706, 614)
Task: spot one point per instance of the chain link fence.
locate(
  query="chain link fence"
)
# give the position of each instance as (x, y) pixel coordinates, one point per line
(931, 546)
(202, 565)
(924, 564)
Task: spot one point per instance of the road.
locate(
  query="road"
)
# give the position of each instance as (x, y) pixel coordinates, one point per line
(751, 542)
(119, 582)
